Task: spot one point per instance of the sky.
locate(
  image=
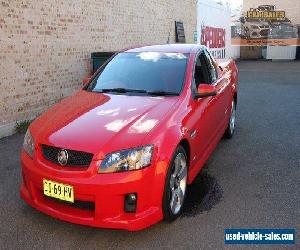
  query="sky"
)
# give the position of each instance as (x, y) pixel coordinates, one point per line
(233, 3)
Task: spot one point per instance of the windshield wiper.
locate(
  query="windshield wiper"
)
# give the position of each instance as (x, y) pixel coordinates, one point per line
(122, 90)
(162, 93)
(152, 93)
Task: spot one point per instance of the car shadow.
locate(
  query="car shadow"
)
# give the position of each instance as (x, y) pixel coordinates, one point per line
(202, 195)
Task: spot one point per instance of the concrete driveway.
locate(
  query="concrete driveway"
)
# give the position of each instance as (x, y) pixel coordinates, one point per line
(251, 181)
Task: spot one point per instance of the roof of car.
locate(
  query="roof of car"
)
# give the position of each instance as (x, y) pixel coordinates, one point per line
(167, 48)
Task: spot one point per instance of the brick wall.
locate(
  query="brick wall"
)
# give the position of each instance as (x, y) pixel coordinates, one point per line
(45, 45)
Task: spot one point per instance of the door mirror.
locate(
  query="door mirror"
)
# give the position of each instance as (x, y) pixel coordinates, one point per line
(86, 80)
(205, 90)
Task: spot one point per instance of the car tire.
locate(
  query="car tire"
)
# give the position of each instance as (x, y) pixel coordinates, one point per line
(231, 123)
(175, 185)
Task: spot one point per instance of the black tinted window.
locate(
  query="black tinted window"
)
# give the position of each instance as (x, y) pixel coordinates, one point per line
(150, 71)
(201, 71)
(212, 69)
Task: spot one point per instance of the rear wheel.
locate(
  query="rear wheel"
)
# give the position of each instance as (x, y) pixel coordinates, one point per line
(175, 186)
(231, 124)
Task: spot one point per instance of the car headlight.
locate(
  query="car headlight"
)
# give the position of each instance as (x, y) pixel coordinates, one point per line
(28, 144)
(127, 160)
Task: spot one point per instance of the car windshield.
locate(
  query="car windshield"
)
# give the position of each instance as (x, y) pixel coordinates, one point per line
(150, 73)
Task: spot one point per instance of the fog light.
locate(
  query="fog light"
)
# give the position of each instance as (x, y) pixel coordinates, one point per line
(130, 203)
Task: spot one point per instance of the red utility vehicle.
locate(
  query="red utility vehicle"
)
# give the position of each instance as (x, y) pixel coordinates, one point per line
(120, 152)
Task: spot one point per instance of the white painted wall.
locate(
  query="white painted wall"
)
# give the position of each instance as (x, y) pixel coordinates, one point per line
(209, 13)
(281, 52)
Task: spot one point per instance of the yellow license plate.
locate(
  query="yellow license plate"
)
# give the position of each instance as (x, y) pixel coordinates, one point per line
(58, 190)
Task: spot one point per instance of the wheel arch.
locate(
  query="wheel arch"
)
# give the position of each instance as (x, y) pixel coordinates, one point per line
(186, 145)
(235, 98)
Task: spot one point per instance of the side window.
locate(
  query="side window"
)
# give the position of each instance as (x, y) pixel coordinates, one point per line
(212, 69)
(201, 71)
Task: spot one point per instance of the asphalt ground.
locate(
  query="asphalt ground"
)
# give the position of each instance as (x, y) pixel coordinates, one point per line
(251, 181)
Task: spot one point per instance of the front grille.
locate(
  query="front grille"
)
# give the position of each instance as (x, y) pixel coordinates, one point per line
(75, 158)
(83, 205)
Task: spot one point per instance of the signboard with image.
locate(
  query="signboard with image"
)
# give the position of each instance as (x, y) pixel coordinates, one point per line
(264, 25)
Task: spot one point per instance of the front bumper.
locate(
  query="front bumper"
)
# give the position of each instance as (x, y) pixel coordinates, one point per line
(104, 192)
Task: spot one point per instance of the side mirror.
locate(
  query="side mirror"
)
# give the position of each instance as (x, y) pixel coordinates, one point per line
(86, 80)
(205, 90)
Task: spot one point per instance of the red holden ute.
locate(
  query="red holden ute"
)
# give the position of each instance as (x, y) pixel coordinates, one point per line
(120, 152)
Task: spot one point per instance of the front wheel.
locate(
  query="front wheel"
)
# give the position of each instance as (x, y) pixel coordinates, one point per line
(175, 186)
(231, 124)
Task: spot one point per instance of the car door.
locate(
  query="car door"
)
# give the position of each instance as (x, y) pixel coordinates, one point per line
(223, 97)
(202, 121)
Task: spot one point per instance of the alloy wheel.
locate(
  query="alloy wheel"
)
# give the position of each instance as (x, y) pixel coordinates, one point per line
(232, 118)
(178, 183)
